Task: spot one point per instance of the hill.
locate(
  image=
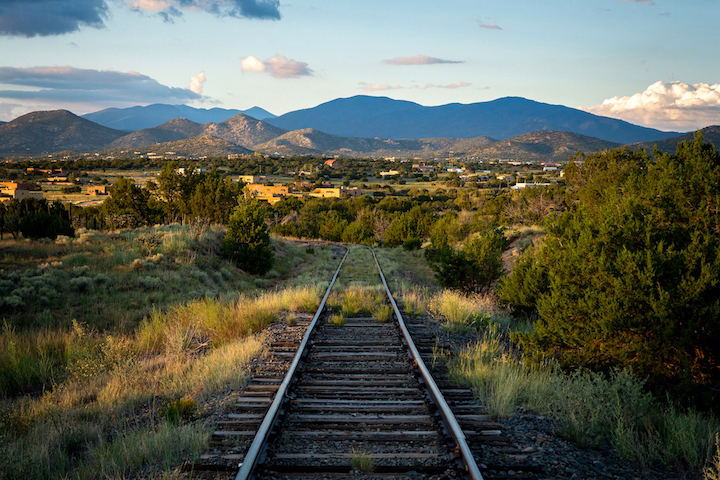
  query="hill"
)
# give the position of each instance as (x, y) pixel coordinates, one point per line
(176, 129)
(200, 146)
(309, 141)
(542, 145)
(367, 116)
(240, 129)
(243, 130)
(710, 135)
(51, 131)
(136, 118)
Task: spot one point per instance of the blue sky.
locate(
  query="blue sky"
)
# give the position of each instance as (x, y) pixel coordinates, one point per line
(650, 62)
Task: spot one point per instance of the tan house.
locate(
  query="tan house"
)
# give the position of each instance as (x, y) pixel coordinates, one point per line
(336, 192)
(14, 190)
(248, 179)
(271, 194)
(98, 190)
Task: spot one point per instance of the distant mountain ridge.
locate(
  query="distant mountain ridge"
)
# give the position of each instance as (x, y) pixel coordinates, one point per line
(369, 116)
(41, 133)
(136, 118)
(53, 131)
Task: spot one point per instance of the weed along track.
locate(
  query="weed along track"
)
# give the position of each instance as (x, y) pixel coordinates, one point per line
(357, 398)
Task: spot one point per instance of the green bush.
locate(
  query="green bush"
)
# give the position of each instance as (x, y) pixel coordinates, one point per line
(247, 241)
(474, 267)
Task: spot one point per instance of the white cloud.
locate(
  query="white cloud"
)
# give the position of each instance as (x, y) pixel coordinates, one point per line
(451, 86)
(277, 66)
(197, 82)
(666, 106)
(251, 64)
(489, 26)
(417, 60)
(368, 87)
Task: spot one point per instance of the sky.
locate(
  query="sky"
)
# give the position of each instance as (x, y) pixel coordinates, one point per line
(649, 62)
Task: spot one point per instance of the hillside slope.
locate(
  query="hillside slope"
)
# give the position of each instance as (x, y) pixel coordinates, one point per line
(51, 131)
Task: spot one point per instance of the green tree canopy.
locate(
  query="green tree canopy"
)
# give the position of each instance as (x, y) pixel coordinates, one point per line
(630, 277)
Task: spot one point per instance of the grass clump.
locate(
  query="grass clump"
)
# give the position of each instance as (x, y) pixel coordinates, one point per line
(460, 313)
(362, 461)
(178, 410)
(337, 320)
(359, 299)
(382, 313)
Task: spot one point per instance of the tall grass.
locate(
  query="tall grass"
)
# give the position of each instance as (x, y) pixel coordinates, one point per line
(200, 323)
(591, 409)
(461, 313)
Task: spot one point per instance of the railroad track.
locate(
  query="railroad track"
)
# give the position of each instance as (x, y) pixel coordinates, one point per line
(340, 400)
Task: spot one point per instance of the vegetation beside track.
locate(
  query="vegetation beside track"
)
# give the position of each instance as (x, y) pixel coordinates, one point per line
(132, 392)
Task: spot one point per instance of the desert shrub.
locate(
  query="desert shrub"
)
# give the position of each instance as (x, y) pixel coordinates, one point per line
(6, 286)
(12, 302)
(199, 275)
(82, 284)
(150, 283)
(148, 243)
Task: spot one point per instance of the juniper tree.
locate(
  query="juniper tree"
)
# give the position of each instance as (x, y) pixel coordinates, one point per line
(630, 277)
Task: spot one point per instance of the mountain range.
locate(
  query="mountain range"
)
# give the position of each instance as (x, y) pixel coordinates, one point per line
(136, 118)
(366, 116)
(59, 130)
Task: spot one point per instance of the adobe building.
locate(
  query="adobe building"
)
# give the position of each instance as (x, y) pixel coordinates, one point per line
(18, 191)
(270, 194)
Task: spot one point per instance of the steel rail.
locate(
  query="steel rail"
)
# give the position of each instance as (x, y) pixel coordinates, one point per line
(253, 453)
(437, 397)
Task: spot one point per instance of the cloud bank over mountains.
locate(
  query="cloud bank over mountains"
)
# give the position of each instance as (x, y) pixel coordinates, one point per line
(84, 89)
(666, 106)
(30, 18)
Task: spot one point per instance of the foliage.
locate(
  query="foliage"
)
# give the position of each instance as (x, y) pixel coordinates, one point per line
(44, 220)
(630, 277)
(409, 228)
(474, 267)
(247, 242)
(129, 205)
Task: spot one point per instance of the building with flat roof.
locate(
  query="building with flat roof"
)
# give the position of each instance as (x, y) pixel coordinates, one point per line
(270, 194)
(336, 192)
(18, 191)
(247, 179)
